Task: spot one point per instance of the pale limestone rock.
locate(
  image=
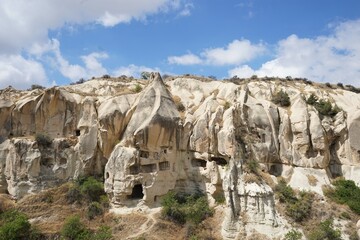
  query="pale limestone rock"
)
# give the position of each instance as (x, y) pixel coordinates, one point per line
(148, 147)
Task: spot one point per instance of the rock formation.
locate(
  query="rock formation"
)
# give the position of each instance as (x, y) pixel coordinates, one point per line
(184, 134)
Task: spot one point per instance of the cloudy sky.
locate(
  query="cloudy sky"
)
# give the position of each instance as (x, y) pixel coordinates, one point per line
(60, 41)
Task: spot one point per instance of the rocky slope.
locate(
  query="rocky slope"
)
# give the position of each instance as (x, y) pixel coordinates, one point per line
(186, 133)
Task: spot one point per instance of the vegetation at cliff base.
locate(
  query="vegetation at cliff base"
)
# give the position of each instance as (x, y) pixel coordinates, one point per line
(298, 206)
(345, 192)
(15, 225)
(186, 208)
(325, 231)
(74, 229)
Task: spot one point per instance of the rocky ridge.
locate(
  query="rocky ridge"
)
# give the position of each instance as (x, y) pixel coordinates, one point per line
(184, 134)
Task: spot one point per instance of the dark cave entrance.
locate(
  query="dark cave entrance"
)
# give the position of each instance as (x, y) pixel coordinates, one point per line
(77, 132)
(137, 192)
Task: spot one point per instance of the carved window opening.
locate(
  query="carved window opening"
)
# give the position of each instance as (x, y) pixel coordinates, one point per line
(219, 161)
(164, 166)
(137, 192)
(107, 175)
(198, 163)
(134, 169)
(148, 168)
(144, 154)
(77, 132)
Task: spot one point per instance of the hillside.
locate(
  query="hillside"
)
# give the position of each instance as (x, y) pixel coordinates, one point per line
(235, 141)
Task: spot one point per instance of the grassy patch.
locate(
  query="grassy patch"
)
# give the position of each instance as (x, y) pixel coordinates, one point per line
(345, 192)
(325, 231)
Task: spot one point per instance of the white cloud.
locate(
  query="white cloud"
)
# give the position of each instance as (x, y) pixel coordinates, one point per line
(334, 58)
(186, 11)
(24, 22)
(51, 52)
(93, 65)
(187, 59)
(24, 27)
(242, 71)
(237, 52)
(133, 70)
(21, 73)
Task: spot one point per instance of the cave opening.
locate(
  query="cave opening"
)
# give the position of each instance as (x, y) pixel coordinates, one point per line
(137, 192)
(77, 132)
(219, 161)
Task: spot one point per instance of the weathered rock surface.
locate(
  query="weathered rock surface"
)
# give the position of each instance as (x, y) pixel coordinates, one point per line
(184, 134)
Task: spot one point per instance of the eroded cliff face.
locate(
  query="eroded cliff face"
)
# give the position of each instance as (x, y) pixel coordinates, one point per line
(184, 135)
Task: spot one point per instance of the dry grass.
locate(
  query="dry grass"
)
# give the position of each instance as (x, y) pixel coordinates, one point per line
(6, 203)
(48, 210)
(257, 236)
(312, 180)
(252, 178)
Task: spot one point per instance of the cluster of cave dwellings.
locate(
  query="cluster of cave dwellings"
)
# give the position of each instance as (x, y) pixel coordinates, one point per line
(150, 162)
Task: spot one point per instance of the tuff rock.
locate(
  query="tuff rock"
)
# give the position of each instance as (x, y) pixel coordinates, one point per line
(184, 134)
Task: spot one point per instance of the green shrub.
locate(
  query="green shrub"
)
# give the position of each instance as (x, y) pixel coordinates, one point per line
(185, 208)
(103, 233)
(14, 226)
(285, 193)
(328, 85)
(73, 195)
(36, 86)
(94, 209)
(346, 192)
(312, 99)
(74, 229)
(325, 108)
(43, 140)
(340, 85)
(293, 235)
(281, 98)
(92, 189)
(301, 208)
(298, 206)
(253, 166)
(325, 231)
(219, 198)
(137, 88)
(87, 188)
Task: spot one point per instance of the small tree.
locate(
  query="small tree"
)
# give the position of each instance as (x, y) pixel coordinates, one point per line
(312, 99)
(92, 189)
(281, 98)
(36, 86)
(74, 229)
(14, 225)
(137, 88)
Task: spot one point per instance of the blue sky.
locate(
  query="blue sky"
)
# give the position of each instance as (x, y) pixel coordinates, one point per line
(58, 42)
